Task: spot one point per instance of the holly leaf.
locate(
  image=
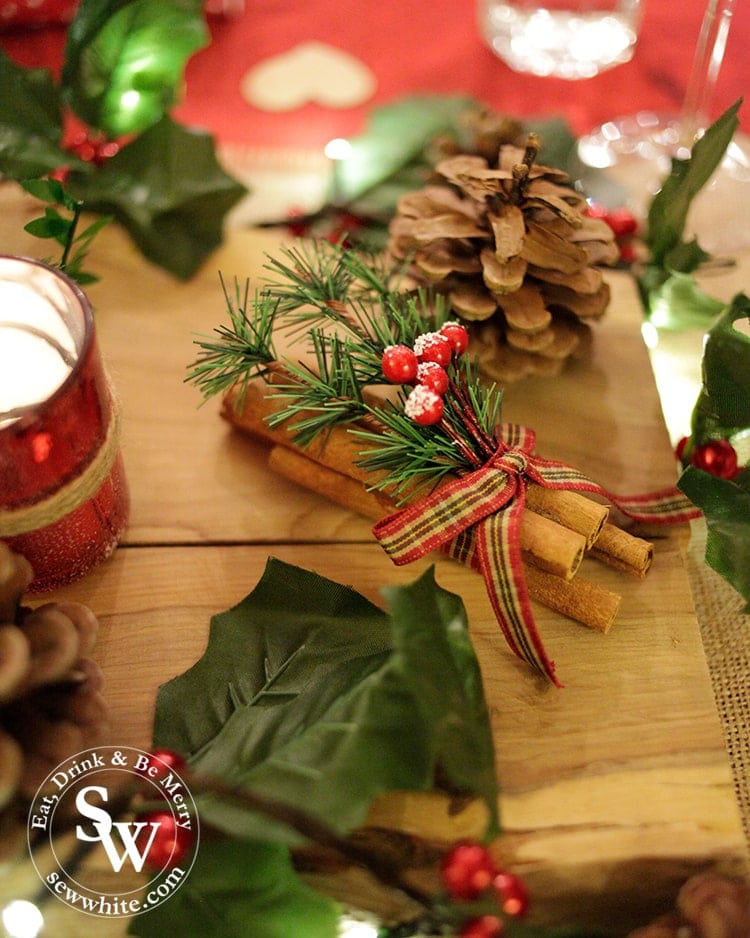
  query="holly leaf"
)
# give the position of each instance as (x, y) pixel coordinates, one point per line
(310, 695)
(168, 190)
(124, 60)
(669, 208)
(30, 121)
(244, 889)
(722, 411)
(679, 303)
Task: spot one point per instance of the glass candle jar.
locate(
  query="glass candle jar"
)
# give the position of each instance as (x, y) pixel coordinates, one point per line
(63, 493)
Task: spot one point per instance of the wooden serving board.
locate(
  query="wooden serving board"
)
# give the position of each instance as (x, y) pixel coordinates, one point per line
(615, 788)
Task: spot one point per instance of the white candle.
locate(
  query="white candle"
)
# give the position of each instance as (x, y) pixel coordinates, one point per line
(38, 347)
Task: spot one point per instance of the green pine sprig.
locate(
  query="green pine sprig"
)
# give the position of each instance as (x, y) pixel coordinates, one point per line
(347, 308)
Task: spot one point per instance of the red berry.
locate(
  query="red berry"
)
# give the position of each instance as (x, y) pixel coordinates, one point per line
(512, 893)
(622, 222)
(457, 335)
(679, 449)
(399, 364)
(433, 347)
(486, 926)
(433, 376)
(161, 762)
(164, 841)
(467, 871)
(717, 457)
(424, 406)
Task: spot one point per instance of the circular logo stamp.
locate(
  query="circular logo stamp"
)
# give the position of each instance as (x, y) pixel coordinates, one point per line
(113, 831)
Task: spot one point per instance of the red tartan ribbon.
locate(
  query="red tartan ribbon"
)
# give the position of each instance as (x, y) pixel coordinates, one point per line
(477, 517)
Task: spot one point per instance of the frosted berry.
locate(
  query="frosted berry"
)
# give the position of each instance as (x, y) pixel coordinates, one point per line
(467, 871)
(399, 364)
(424, 406)
(457, 335)
(433, 376)
(486, 926)
(167, 845)
(622, 222)
(512, 894)
(717, 457)
(433, 347)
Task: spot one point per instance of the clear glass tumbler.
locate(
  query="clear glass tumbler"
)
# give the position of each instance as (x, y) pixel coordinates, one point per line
(63, 492)
(571, 39)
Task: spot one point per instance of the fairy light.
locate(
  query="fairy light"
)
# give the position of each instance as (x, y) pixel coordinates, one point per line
(338, 149)
(357, 928)
(22, 919)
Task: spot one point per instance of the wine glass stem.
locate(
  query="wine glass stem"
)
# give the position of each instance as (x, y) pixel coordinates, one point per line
(709, 54)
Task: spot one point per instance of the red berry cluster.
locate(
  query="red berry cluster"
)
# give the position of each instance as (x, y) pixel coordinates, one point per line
(717, 457)
(468, 872)
(624, 225)
(424, 366)
(168, 845)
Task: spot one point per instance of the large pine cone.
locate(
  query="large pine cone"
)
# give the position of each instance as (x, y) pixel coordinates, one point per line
(509, 244)
(708, 906)
(51, 702)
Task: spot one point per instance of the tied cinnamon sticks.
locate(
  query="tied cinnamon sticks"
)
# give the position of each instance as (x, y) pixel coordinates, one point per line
(558, 529)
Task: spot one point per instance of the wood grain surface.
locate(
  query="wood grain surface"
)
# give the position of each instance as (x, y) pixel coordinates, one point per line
(616, 787)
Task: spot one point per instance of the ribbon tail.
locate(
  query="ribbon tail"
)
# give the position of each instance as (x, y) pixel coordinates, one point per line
(498, 558)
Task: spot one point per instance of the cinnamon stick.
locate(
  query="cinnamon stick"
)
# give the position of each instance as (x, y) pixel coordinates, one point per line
(571, 509)
(579, 599)
(623, 551)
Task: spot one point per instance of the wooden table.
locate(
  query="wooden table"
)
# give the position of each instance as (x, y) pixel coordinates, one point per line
(615, 788)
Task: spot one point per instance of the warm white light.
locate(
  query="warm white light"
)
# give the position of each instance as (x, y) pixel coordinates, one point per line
(338, 149)
(130, 100)
(650, 334)
(22, 919)
(356, 928)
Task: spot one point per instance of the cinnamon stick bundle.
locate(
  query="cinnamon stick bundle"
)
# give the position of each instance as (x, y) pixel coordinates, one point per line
(558, 527)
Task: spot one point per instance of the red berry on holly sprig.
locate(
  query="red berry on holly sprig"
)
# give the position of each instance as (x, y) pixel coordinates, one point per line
(680, 447)
(163, 841)
(399, 364)
(433, 347)
(467, 870)
(512, 894)
(161, 761)
(717, 457)
(433, 376)
(457, 335)
(424, 406)
(485, 926)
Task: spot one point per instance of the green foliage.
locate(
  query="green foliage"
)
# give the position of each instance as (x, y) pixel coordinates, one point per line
(722, 411)
(168, 190)
(124, 60)
(63, 228)
(670, 255)
(122, 72)
(311, 695)
(242, 889)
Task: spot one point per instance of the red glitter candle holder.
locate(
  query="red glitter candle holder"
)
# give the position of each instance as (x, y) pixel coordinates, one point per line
(63, 493)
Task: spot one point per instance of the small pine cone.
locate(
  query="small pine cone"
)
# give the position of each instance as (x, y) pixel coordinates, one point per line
(715, 906)
(510, 246)
(51, 702)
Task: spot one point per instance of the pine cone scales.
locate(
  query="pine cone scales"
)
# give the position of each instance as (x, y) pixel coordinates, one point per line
(51, 702)
(512, 249)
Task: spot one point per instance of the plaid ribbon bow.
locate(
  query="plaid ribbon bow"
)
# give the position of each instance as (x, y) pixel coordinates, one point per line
(476, 518)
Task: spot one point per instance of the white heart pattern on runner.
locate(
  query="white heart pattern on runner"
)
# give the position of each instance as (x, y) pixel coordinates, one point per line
(311, 72)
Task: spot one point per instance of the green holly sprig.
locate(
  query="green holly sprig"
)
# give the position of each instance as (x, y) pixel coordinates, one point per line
(122, 73)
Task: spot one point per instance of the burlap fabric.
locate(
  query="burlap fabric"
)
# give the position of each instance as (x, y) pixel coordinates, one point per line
(726, 639)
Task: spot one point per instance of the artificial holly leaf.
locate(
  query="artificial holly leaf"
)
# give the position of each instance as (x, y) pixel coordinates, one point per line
(124, 60)
(669, 208)
(332, 710)
(30, 121)
(679, 303)
(244, 889)
(722, 411)
(168, 190)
